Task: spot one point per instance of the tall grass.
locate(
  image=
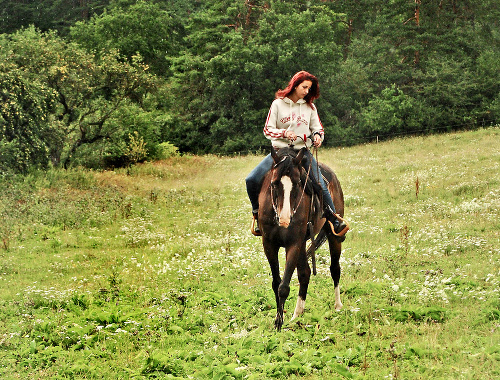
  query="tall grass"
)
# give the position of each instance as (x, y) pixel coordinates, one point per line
(151, 272)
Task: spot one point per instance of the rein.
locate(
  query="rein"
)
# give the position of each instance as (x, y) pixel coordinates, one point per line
(303, 190)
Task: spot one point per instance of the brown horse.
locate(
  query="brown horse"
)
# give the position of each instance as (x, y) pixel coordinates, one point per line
(288, 216)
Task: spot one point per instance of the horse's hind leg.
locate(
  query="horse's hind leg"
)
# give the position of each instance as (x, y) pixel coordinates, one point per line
(335, 251)
(304, 274)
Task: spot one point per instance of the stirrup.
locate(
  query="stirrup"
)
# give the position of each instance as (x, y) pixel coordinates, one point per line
(344, 231)
(252, 227)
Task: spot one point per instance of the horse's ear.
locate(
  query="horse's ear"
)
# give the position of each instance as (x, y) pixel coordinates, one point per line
(274, 154)
(297, 160)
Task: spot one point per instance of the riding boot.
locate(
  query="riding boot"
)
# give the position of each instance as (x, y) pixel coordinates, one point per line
(255, 224)
(339, 226)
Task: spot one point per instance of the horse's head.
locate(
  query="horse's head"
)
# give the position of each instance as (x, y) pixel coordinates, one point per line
(286, 185)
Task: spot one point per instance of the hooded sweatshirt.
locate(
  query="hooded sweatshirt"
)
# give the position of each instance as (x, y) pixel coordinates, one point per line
(285, 115)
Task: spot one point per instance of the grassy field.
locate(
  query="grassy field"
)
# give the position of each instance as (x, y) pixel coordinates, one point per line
(152, 272)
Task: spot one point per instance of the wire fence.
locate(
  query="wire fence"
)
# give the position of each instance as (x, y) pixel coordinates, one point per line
(414, 132)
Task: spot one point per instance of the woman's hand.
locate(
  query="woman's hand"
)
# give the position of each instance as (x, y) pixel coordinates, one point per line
(290, 135)
(317, 141)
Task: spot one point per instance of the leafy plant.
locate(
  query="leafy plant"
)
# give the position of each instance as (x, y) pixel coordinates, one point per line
(136, 150)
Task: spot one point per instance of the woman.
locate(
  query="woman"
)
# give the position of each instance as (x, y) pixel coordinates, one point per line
(293, 118)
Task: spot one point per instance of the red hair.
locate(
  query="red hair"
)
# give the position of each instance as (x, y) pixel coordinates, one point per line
(297, 79)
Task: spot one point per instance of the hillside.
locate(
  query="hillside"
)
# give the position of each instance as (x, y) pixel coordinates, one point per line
(151, 271)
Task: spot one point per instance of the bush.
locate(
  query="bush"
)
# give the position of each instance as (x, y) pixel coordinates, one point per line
(389, 113)
(166, 150)
(136, 149)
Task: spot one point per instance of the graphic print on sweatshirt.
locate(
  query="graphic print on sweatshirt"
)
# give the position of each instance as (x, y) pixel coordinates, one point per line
(300, 120)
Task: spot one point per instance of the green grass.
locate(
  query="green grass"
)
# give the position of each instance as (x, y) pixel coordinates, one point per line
(152, 272)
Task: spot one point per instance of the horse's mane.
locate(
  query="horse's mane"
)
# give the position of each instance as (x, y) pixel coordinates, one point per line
(285, 160)
(287, 151)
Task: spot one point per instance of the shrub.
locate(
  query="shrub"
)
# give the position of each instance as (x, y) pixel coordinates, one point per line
(166, 150)
(136, 150)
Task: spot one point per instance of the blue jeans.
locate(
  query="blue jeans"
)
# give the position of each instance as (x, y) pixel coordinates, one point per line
(256, 176)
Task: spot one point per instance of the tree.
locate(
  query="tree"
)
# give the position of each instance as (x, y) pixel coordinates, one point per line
(46, 14)
(88, 89)
(142, 28)
(26, 133)
(391, 113)
(219, 62)
(434, 52)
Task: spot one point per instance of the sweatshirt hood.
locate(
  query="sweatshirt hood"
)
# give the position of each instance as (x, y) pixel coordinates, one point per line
(290, 101)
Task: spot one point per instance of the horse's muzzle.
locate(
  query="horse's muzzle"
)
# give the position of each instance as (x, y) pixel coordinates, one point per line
(284, 220)
(284, 223)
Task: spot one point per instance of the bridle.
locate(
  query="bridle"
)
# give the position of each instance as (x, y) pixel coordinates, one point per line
(283, 159)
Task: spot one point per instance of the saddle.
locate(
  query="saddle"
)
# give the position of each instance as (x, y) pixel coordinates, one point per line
(316, 192)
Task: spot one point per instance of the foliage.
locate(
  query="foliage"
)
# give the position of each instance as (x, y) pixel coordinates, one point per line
(143, 28)
(89, 90)
(26, 132)
(218, 63)
(47, 14)
(104, 277)
(136, 150)
(167, 150)
(391, 113)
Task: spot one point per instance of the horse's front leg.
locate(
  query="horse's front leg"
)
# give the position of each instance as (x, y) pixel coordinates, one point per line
(304, 274)
(292, 255)
(271, 252)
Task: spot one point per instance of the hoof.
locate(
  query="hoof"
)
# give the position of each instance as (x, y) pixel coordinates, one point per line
(278, 322)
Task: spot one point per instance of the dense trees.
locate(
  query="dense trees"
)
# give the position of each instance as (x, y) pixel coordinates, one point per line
(47, 14)
(227, 76)
(143, 27)
(202, 74)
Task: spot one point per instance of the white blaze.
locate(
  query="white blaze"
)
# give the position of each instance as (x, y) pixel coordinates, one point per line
(286, 210)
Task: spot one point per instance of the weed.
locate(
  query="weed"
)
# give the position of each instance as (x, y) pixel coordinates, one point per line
(404, 237)
(394, 357)
(114, 284)
(365, 365)
(417, 187)
(5, 243)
